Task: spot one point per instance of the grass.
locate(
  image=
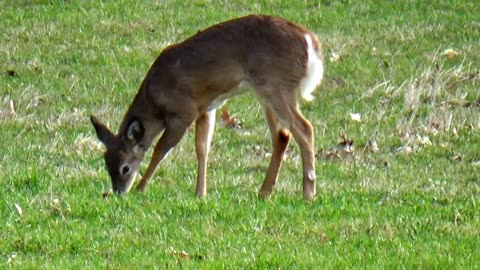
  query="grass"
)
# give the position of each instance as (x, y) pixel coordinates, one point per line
(410, 203)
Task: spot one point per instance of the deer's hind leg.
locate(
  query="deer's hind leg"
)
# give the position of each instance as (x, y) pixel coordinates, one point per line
(280, 139)
(283, 102)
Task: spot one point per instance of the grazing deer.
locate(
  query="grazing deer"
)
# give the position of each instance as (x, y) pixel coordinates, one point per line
(189, 80)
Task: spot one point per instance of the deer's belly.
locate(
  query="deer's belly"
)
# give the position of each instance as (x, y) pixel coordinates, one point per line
(221, 99)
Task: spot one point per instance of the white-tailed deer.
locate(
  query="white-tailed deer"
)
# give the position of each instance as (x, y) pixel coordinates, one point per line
(189, 80)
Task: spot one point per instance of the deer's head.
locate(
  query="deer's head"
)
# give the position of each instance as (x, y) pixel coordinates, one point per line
(123, 154)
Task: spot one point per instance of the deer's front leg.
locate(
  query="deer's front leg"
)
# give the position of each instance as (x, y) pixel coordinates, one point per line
(170, 137)
(203, 137)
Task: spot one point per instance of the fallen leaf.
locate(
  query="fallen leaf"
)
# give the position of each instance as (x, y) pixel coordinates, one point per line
(328, 155)
(228, 120)
(343, 150)
(324, 239)
(450, 53)
(182, 254)
(56, 208)
(423, 140)
(372, 146)
(346, 144)
(333, 155)
(335, 82)
(320, 155)
(457, 158)
(474, 76)
(356, 117)
(334, 57)
(11, 258)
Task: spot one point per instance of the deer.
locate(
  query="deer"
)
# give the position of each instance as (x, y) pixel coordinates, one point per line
(280, 62)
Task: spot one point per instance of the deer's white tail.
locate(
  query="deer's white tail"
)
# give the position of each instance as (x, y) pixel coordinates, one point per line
(314, 73)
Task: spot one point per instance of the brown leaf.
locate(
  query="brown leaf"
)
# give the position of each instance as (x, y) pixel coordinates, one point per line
(329, 155)
(324, 239)
(372, 146)
(345, 144)
(457, 158)
(333, 155)
(320, 154)
(450, 53)
(335, 82)
(228, 120)
(474, 76)
(181, 254)
(260, 151)
(184, 255)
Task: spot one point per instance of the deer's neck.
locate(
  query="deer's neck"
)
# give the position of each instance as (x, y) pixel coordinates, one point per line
(141, 109)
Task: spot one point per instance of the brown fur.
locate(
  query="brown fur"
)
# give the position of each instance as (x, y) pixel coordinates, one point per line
(190, 77)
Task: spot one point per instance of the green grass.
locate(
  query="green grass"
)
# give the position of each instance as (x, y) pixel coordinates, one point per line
(414, 203)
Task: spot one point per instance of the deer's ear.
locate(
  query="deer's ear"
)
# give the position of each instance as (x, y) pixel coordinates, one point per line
(103, 133)
(135, 131)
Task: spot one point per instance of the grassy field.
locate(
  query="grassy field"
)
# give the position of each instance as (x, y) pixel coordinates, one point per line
(402, 82)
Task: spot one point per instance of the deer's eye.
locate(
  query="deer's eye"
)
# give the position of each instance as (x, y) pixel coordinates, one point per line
(125, 169)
